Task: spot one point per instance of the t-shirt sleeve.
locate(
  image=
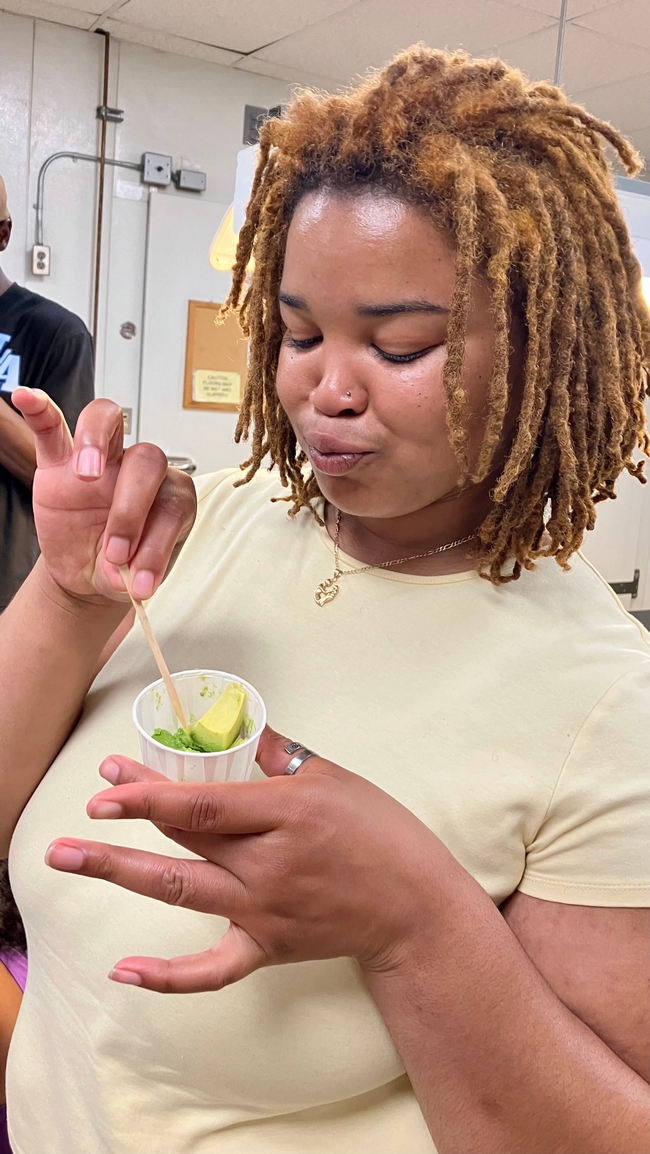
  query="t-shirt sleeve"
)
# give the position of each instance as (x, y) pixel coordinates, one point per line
(68, 374)
(593, 846)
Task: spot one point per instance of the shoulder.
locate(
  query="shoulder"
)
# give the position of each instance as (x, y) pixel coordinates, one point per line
(225, 495)
(578, 615)
(51, 316)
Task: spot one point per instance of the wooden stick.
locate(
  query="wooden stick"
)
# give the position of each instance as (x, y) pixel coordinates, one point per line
(141, 614)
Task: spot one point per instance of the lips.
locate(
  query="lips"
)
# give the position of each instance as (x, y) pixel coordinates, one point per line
(335, 463)
(333, 456)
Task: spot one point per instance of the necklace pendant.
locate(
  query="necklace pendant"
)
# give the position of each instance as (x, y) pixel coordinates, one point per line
(326, 591)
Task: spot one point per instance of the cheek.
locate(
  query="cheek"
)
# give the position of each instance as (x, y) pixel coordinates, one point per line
(292, 383)
(411, 403)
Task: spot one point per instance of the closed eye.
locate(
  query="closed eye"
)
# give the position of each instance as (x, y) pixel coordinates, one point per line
(309, 343)
(401, 358)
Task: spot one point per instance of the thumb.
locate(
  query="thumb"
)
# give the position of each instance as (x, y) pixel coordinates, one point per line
(234, 956)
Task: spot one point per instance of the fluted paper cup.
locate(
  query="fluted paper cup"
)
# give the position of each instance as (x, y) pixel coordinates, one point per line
(197, 690)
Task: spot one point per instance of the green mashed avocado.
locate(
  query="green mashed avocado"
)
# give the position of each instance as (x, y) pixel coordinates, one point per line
(187, 743)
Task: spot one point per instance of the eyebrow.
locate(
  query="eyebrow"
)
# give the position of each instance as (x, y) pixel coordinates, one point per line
(387, 310)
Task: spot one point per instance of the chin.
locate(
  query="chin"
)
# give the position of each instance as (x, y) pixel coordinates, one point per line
(358, 500)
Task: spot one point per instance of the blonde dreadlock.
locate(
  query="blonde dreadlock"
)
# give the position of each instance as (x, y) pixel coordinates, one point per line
(518, 177)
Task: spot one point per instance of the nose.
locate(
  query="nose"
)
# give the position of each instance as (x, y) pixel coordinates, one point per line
(339, 391)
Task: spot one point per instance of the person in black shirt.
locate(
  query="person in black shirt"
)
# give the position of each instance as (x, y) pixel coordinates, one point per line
(43, 346)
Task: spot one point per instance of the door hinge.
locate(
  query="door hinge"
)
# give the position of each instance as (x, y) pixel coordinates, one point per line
(631, 587)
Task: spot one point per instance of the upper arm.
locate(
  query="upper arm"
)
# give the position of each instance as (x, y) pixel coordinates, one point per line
(10, 999)
(596, 959)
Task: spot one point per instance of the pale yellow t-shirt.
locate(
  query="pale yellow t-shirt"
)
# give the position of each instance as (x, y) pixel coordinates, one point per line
(514, 721)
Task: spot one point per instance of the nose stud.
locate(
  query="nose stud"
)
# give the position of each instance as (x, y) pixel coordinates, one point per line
(348, 394)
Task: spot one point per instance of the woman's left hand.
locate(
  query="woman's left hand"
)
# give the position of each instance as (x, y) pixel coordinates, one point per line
(322, 864)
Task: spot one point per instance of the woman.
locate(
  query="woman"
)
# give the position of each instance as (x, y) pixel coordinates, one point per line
(448, 358)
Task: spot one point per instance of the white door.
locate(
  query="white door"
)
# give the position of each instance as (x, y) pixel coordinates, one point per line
(181, 229)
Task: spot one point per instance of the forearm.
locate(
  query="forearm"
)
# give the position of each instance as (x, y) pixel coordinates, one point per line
(499, 1065)
(17, 450)
(49, 649)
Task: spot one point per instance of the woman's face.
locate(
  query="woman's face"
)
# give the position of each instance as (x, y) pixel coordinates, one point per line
(365, 297)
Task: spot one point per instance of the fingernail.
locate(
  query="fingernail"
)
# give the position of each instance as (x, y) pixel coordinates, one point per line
(128, 977)
(89, 463)
(117, 550)
(143, 583)
(64, 857)
(111, 771)
(105, 809)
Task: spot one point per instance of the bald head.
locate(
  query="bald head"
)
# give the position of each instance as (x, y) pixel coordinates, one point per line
(4, 208)
(5, 217)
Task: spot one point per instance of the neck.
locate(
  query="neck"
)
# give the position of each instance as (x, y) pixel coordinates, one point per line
(5, 283)
(373, 540)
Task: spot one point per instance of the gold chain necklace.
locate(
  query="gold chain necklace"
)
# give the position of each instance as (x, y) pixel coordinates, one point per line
(327, 590)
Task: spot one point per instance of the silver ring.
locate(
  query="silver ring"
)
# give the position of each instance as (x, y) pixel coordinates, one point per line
(297, 761)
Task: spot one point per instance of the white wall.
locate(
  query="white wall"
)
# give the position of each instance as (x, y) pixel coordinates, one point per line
(50, 86)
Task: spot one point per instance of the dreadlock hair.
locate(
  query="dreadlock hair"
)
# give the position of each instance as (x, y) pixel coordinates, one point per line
(518, 178)
(12, 933)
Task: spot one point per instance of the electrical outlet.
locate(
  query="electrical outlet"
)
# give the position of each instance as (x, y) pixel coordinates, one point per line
(41, 260)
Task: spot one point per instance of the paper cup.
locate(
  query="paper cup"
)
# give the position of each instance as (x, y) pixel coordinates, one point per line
(197, 690)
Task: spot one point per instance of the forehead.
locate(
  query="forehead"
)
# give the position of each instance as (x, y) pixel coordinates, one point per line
(370, 237)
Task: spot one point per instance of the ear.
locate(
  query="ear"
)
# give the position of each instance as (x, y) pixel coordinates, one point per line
(5, 233)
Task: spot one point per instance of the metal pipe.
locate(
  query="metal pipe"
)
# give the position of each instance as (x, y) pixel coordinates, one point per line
(145, 269)
(40, 187)
(559, 51)
(100, 190)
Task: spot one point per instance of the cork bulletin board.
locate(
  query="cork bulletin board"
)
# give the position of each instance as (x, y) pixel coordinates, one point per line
(215, 359)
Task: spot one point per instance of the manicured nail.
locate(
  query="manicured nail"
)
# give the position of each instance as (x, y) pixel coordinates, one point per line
(128, 977)
(117, 550)
(111, 771)
(89, 463)
(142, 584)
(105, 809)
(64, 857)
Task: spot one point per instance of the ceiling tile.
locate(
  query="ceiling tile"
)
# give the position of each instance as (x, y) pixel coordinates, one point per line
(534, 54)
(625, 103)
(166, 43)
(579, 7)
(628, 21)
(77, 15)
(286, 72)
(592, 59)
(548, 7)
(372, 31)
(239, 27)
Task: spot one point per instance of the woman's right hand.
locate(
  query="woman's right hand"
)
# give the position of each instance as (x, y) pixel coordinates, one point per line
(98, 506)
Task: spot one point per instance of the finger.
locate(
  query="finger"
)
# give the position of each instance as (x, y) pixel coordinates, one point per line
(121, 770)
(232, 958)
(153, 510)
(142, 472)
(273, 759)
(98, 438)
(196, 885)
(234, 807)
(214, 847)
(52, 437)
